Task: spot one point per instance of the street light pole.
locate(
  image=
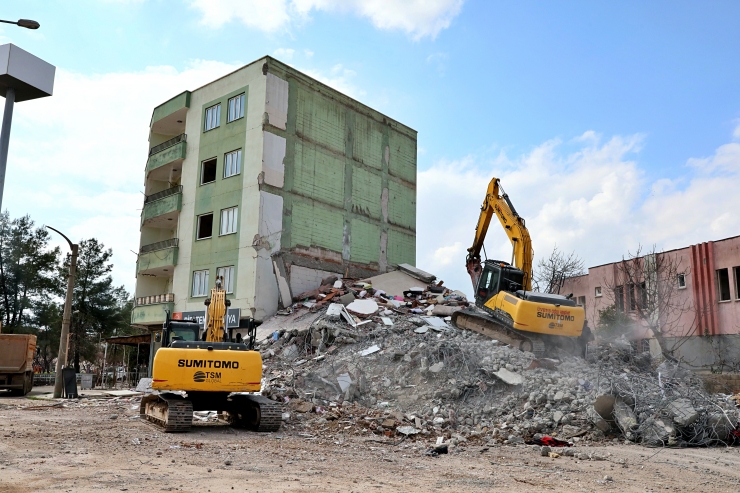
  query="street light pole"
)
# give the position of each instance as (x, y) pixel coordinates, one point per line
(66, 318)
(5, 137)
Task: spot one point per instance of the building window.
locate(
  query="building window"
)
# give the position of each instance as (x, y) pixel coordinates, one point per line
(228, 221)
(619, 298)
(208, 171)
(682, 281)
(632, 293)
(232, 163)
(213, 117)
(581, 301)
(204, 228)
(597, 291)
(644, 345)
(723, 284)
(227, 276)
(200, 283)
(236, 108)
(736, 271)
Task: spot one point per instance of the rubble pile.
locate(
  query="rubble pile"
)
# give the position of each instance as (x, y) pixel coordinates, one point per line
(387, 365)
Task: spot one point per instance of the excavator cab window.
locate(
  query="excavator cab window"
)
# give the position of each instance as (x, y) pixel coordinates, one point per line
(488, 285)
(512, 280)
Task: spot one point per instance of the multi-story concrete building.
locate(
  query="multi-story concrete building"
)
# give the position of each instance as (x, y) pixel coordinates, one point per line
(271, 180)
(704, 326)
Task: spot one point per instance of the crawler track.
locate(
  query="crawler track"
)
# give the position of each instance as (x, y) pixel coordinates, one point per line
(169, 411)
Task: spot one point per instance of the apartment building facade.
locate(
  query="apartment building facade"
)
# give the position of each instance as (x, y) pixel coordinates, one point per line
(704, 327)
(271, 181)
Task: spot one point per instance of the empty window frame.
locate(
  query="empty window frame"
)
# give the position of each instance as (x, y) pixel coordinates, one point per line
(681, 279)
(632, 293)
(208, 171)
(228, 221)
(227, 278)
(232, 163)
(736, 272)
(212, 117)
(597, 292)
(204, 227)
(582, 301)
(723, 285)
(619, 298)
(236, 108)
(200, 283)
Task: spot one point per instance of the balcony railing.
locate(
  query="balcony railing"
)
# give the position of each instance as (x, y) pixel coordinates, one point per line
(160, 245)
(168, 143)
(163, 194)
(152, 300)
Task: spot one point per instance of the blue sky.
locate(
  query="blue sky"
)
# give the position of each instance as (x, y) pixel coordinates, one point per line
(611, 124)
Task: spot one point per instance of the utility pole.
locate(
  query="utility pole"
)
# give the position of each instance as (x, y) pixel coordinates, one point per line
(66, 318)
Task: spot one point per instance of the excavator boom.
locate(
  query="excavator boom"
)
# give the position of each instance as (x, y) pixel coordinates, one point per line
(499, 205)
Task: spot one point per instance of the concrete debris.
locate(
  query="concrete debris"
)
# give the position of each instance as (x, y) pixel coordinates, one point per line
(510, 377)
(358, 373)
(417, 273)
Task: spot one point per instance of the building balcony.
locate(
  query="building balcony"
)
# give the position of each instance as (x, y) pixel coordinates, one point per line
(161, 209)
(169, 118)
(155, 299)
(152, 313)
(165, 160)
(158, 259)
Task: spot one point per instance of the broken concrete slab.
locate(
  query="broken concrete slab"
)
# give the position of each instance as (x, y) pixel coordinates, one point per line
(683, 412)
(299, 320)
(436, 323)
(344, 381)
(445, 311)
(407, 430)
(372, 349)
(417, 273)
(393, 283)
(363, 307)
(422, 330)
(625, 417)
(436, 367)
(598, 421)
(509, 377)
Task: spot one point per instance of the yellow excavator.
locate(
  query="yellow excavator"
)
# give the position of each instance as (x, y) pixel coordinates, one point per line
(507, 308)
(216, 373)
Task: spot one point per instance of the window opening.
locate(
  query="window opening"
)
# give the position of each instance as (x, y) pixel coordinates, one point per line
(205, 226)
(208, 171)
(212, 117)
(232, 163)
(236, 108)
(723, 284)
(227, 274)
(200, 283)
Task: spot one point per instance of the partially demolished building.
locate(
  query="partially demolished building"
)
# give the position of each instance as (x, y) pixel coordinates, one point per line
(273, 181)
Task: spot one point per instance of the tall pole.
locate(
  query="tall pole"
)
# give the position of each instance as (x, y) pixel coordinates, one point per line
(66, 318)
(5, 138)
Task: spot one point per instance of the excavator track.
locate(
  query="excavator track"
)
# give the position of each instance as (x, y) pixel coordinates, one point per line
(170, 412)
(495, 328)
(257, 412)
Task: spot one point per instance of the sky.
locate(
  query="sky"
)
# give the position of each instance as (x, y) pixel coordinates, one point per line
(611, 124)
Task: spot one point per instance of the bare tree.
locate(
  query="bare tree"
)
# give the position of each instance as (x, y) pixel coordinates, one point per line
(551, 272)
(646, 285)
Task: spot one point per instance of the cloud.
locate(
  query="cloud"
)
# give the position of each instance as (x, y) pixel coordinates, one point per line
(417, 18)
(594, 200)
(284, 53)
(339, 77)
(76, 159)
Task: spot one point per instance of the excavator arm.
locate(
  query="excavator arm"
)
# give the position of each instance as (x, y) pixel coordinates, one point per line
(516, 230)
(216, 314)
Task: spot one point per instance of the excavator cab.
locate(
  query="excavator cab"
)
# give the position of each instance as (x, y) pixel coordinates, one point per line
(497, 276)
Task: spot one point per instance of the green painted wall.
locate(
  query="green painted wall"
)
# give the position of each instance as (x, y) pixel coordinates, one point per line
(161, 206)
(180, 101)
(218, 251)
(158, 258)
(166, 156)
(340, 157)
(148, 314)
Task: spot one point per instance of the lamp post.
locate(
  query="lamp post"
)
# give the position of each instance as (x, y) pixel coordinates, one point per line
(66, 318)
(27, 23)
(23, 76)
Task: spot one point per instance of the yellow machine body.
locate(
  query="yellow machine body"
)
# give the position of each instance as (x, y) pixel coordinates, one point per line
(208, 370)
(540, 318)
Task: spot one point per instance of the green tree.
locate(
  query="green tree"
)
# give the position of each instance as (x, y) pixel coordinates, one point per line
(613, 323)
(100, 309)
(27, 267)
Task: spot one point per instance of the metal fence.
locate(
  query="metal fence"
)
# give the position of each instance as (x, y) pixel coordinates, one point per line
(168, 143)
(123, 380)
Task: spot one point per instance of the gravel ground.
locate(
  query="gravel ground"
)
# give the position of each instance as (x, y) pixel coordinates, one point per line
(78, 446)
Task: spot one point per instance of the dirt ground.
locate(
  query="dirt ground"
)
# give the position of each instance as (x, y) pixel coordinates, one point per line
(79, 446)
